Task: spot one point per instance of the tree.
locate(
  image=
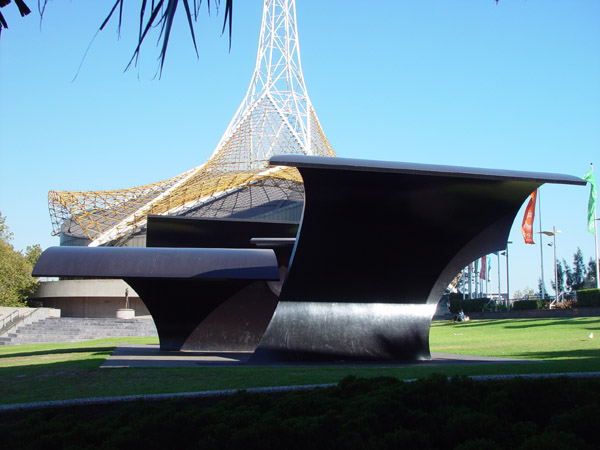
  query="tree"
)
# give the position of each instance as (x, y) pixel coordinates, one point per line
(579, 276)
(542, 291)
(560, 274)
(568, 275)
(579, 272)
(590, 277)
(518, 294)
(16, 282)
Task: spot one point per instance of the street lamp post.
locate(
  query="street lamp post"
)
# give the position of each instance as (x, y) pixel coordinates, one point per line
(553, 234)
(543, 287)
(499, 289)
(507, 277)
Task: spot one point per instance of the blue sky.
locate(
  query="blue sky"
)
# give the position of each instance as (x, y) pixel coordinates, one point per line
(513, 85)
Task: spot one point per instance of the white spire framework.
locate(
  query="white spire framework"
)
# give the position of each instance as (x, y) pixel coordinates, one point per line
(275, 117)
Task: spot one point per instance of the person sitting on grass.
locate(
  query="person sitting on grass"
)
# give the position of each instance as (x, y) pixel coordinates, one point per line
(461, 317)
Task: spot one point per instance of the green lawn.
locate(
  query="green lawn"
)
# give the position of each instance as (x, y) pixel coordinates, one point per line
(63, 371)
(540, 339)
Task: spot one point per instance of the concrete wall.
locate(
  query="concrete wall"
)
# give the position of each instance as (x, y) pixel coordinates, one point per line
(528, 314)
(84, 288)
(89, 298)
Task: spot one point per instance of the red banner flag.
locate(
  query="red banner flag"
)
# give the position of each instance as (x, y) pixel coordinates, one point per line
(483, 273)
(527, 226)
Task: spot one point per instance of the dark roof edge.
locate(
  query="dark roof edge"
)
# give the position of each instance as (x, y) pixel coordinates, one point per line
(335, 163)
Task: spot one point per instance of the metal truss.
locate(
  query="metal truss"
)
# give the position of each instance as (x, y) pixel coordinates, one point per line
(275, 117)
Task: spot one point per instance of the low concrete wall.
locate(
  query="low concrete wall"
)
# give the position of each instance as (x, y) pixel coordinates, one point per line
(38, 313)
(25, 316)
(84, 288)
(528, 314)
(89, 298)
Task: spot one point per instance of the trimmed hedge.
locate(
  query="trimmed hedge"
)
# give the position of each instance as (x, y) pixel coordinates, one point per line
(522, 305)
(359, 413)
(588, 297)
(467, 305)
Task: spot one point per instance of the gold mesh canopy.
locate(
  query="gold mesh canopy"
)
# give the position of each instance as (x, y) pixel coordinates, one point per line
(275, 117)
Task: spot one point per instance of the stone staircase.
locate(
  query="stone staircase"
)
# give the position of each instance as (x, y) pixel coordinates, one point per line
(70, 329)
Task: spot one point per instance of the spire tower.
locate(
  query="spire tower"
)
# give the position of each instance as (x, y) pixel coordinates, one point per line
(275, 117)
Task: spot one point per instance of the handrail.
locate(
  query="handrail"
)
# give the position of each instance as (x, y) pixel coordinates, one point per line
(14, 318)
(558, 299)
(9, 319)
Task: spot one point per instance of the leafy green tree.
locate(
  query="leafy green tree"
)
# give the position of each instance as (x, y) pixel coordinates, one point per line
(542, 291)
(568, 275)
(579, 272)
(560, 274)
(590, 276)
(518, 294)
(16, 282)
(579, 276)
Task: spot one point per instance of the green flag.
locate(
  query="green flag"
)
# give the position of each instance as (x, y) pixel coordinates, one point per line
(589, 177)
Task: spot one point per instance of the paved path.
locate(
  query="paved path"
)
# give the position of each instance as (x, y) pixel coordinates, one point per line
(149, 355)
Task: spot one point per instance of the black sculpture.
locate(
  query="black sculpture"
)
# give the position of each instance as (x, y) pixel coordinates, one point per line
(378, 243)
(181, 287)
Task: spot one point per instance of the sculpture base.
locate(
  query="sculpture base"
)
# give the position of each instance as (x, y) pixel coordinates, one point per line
(321, 331)
(124, 313)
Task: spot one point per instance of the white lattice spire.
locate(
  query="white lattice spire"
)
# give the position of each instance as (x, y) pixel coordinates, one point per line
(275, 117)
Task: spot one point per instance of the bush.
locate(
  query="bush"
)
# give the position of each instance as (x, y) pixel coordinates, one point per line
(588, 297)
(522, 305)
(467, 305)
(375, 413)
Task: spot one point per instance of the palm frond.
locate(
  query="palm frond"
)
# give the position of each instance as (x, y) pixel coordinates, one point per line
(165, 20)
(120, 17)
(110, 15)
(153, 15)
(228, 16)
(23, 8)
(3, 23)
(189, 17)
(163, 13)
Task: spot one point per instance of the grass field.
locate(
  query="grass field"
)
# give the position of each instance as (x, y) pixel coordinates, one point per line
(64, 371)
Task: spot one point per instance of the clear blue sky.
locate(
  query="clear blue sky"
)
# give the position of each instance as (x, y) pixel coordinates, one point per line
(513, 85)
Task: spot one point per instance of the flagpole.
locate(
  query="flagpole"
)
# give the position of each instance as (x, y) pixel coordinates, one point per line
(470, 285)
(488, 276)
(596, 239)
(507, 277)
(597, 260)
(499, 294)
(592, 210)
(543, 288)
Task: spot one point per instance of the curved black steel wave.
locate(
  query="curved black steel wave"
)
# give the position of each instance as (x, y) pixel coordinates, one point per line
(378, 244)
(180, 287)
(238, 321)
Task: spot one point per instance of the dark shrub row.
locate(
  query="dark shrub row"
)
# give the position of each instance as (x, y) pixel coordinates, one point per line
(585, 298)
(467, 305)
(376, 413)
(522, 305)
(588, 297)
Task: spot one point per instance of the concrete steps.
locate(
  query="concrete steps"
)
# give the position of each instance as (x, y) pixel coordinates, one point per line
(69, 329)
